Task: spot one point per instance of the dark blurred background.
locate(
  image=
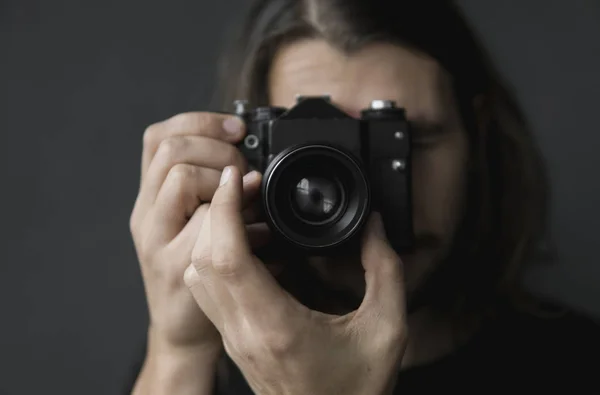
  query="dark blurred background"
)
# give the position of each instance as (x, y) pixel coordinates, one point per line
(79, 82)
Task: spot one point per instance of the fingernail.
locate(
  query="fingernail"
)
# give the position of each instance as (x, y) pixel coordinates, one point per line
(225, 176)
(233, 125)
(253, 175)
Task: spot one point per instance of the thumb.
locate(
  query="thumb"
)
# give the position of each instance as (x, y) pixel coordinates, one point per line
(384, 277)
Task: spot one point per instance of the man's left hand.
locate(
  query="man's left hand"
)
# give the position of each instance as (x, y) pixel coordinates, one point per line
(281, 346)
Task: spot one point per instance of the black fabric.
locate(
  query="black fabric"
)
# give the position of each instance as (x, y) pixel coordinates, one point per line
(514, 352)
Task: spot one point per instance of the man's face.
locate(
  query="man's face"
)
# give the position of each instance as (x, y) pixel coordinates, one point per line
(416, 83)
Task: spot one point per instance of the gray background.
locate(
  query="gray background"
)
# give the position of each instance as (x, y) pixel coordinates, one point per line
(80, 80)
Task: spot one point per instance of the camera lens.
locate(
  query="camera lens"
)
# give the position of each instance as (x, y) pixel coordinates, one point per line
(317, 200)
(316, 196)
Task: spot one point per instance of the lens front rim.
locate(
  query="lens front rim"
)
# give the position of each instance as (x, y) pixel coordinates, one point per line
(276, 178)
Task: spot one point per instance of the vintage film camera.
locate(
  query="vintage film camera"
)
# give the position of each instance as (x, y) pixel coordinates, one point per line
(325, 171)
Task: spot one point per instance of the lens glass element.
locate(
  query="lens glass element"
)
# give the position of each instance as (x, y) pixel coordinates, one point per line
(317, 200)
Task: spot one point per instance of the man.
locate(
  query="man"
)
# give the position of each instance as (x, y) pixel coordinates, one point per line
(450, 315)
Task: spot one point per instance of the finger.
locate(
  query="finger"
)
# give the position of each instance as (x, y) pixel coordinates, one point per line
(192, 150)
(248, 281)
(186, 247)
(184, 189)
(190, 231)
(384, 295)
(259, 234)
(227, 223)
(213, 296)
(217, 126)
(187, 237)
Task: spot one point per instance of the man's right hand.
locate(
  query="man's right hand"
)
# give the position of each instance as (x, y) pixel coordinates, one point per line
(182, 161)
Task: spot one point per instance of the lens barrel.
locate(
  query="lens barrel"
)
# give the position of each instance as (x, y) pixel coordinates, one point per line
(316, 196)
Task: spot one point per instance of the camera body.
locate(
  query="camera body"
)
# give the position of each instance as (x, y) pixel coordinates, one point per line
(325, 171)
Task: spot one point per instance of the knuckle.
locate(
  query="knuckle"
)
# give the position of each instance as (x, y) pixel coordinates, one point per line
(151, 137)
(180, 121)
(135, 218)
(190, 276)
(200, 261)
(278, 343)
(182, 172)
(170, 148)
(225, 262)
(133, 223)
(182, 178)
(148, 255)
(143, 248)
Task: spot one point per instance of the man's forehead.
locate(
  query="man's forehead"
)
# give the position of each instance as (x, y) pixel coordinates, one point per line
(389, 72)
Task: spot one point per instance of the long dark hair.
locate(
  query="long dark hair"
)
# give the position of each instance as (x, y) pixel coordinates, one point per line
(507, 203)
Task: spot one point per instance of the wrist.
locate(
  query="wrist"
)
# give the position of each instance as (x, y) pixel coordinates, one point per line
(159, 345)
(177, 369)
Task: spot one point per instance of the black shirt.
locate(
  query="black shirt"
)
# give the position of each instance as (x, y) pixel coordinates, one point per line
(515, 352)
